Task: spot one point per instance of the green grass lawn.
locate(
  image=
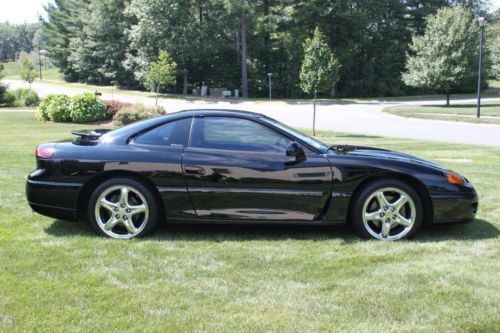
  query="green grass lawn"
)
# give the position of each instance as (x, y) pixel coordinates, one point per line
(57, 276)
(12, 69)
(490, 112)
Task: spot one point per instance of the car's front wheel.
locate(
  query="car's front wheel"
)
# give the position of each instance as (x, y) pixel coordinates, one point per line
(387, 209)
(123, 208)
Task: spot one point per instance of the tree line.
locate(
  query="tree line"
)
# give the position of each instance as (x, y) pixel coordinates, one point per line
(236, 43)
(17, 38)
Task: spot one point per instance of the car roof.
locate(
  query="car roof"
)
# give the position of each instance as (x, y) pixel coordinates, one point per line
(217, 112)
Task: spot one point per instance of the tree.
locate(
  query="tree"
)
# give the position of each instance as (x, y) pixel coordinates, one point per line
(98, 52)
(320, 68)
(3, 88)
(493, 44)
(64, 22)
(446, 55)
(28, 72)
(161, 73)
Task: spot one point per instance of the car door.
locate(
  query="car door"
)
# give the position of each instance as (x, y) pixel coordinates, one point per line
(237, 169)
(157, 154)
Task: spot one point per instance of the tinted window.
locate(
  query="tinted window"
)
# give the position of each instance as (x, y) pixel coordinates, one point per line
(172, 133)
(236, 134)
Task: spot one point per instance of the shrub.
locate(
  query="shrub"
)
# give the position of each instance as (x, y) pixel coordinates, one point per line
(27, 97)
(8, 99)
(87, 108)
(59, 108)
(112, 107)
(136, 112)
(43, 108)
(3, 90)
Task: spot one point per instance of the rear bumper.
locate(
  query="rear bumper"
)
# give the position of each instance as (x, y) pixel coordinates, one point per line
(455, 208)
(53, 199)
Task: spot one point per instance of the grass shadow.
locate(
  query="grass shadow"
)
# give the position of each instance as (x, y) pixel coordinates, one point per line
(476, 230)
(219, 232)
(460, 106)
(62, 228)
(253, 232)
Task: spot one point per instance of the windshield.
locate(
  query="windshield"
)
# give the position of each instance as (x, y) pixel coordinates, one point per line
(303, 137)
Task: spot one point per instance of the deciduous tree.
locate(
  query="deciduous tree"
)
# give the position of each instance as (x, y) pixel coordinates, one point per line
(161, 72)
(320, 68)
(28, 72)
(446, 55)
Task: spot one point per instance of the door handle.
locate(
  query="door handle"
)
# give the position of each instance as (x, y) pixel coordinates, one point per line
(193, 170)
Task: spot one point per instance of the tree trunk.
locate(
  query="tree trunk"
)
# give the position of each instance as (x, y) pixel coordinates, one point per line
(157, 93)
(332, 91)
(267, 37)
(447, 98)
(39, 63)
(243, 34)
(314, 114)
(185, 85)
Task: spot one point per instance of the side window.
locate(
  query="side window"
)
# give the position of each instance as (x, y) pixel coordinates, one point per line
(236, 134)
(175, 133)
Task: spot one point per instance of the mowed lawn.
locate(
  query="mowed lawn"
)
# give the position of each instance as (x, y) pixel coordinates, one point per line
(490, 112)
(57, 276)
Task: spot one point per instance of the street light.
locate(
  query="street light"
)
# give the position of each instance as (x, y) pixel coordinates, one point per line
(482, 23)
(270, 75)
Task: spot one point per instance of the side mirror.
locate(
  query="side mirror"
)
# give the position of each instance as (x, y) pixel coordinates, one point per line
(295, 149)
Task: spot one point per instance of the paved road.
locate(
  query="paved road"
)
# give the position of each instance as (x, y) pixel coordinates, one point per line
(358, 118)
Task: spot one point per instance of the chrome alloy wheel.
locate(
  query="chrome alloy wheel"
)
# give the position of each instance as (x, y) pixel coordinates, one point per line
(389, 213)
(121, 211)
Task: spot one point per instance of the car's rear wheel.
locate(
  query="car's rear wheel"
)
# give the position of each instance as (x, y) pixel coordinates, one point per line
(123, 208)
(387, 209)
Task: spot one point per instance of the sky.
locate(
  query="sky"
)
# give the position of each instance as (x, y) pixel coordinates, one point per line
(21, 11)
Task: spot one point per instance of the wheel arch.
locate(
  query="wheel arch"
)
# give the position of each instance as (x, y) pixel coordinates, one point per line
(414, 182)
(90, 186)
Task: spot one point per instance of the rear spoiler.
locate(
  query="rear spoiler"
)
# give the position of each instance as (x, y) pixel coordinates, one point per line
(89, 135)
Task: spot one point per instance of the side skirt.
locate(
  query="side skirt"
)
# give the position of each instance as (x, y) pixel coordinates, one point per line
(178, 220)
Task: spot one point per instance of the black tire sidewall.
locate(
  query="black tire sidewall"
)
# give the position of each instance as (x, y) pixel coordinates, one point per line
(368, 189)
(153, 206)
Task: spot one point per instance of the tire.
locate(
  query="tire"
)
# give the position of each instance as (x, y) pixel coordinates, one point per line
(388, 216)
(123, 208)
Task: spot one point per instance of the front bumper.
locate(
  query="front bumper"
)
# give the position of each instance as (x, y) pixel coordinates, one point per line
(457, 207)
(54, 199)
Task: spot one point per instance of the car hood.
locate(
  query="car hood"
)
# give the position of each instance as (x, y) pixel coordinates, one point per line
(385, 154)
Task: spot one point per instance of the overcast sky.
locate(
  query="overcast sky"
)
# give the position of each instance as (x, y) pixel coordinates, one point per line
(20, 11)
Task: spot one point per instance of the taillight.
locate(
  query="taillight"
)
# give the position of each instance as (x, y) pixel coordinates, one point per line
(45, 150)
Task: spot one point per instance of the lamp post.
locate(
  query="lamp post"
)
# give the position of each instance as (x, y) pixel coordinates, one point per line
(270, 75)
(482, 23)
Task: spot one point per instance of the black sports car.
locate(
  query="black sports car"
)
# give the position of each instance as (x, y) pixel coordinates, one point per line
(238, 167)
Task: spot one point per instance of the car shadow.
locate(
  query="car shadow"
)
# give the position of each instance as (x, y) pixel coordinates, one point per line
(476, 230)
